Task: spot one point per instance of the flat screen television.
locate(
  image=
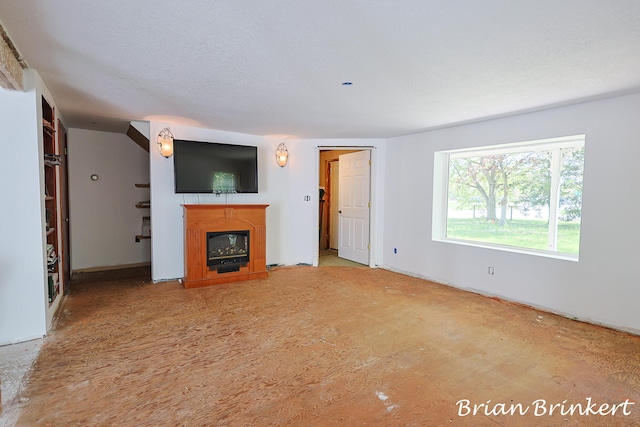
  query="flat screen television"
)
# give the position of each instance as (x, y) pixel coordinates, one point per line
(212, 167)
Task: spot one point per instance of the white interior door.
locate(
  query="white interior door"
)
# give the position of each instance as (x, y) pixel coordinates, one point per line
(355, 183)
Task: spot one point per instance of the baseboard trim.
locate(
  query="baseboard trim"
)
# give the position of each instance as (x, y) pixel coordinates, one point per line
(111, 267)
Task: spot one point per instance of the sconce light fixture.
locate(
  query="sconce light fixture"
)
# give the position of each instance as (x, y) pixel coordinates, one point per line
(282, 155)
(165, 142)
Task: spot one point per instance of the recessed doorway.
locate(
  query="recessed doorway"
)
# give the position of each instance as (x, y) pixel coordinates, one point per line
(344, 207)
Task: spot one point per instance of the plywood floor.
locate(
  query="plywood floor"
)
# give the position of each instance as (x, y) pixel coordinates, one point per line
(320, 346)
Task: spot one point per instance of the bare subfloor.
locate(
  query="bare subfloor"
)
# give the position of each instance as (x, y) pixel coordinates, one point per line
(322, 346)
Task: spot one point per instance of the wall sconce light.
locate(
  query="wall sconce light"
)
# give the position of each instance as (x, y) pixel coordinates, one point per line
(165, 142)
(282, 155)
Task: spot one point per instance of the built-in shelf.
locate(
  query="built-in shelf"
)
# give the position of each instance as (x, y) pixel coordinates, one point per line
(52, 226)
(146, 220)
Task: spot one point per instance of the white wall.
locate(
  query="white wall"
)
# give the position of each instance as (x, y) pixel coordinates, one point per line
(166, 206)
(603, 287)
(292, 231)
(22, 260)
(103, 218)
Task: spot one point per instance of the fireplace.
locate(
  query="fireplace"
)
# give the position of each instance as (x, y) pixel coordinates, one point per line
(224, 244)
(227, 251)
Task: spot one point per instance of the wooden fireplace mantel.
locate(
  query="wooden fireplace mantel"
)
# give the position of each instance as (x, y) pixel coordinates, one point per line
(200, 219)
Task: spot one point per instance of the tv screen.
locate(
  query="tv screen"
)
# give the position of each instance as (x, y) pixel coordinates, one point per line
(211, 167)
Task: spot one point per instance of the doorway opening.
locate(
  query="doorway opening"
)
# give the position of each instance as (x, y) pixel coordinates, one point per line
(344, 206)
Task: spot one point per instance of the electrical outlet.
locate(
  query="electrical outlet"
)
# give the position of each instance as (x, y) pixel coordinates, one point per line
(491, 271)
(395, 250)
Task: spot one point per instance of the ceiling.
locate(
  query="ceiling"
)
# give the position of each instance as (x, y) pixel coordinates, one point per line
(276, 67)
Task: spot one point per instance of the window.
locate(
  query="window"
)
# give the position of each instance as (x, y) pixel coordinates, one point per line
(522, 197)
(225, 182)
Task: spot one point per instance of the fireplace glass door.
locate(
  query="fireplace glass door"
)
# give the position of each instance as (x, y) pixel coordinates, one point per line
(227, 250)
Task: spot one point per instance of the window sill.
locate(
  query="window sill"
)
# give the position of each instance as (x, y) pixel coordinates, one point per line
(517, 250)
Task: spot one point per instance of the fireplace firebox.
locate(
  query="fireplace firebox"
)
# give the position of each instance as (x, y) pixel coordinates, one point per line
(227, 251)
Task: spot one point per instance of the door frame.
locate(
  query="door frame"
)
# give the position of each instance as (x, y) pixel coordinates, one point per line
(65, 250)
(332, 170)
(373, 171)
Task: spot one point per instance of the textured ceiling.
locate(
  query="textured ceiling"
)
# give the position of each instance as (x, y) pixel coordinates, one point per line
(269, 67)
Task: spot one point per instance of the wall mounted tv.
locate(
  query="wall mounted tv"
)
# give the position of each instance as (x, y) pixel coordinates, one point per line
(211, 167)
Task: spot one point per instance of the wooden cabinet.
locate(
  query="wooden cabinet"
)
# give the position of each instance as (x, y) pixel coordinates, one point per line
(51, 196)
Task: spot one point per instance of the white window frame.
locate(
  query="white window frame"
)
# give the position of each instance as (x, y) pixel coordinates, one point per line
(441, 183)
